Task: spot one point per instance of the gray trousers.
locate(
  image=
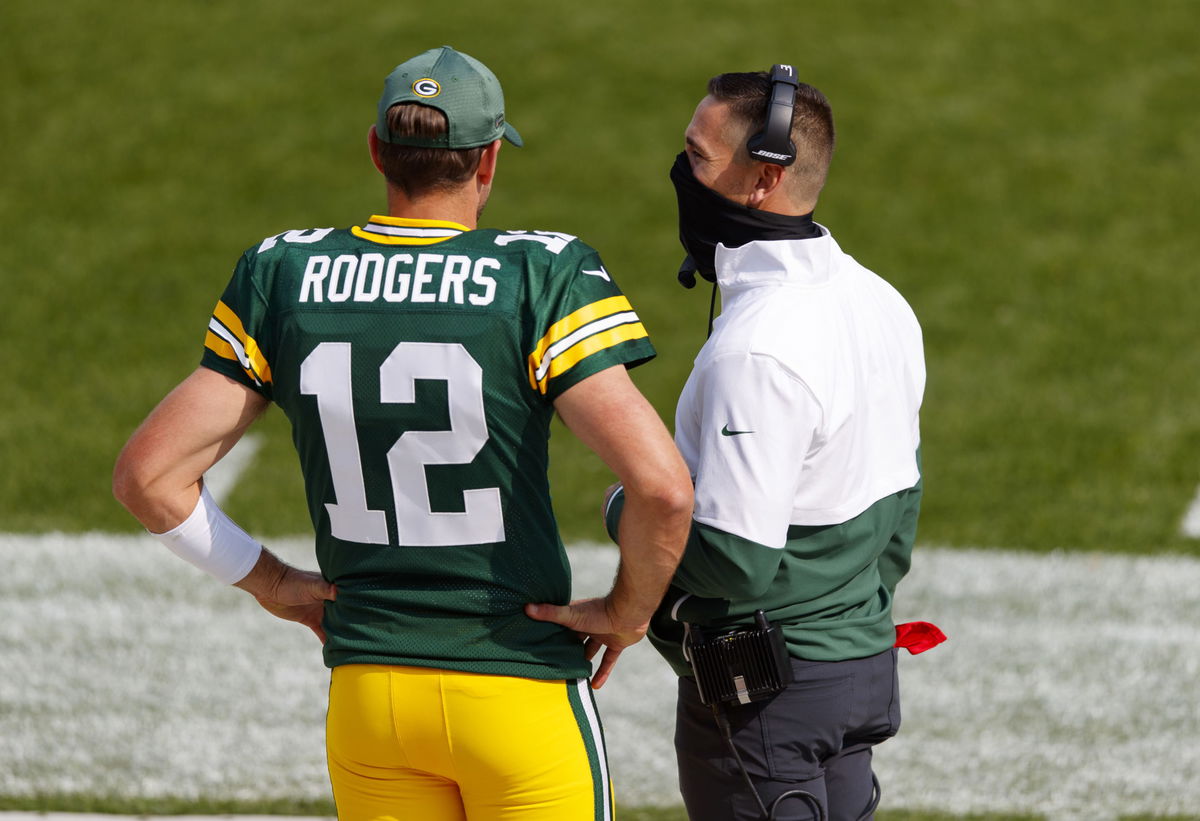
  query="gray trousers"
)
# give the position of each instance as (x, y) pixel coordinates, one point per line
(815, 736)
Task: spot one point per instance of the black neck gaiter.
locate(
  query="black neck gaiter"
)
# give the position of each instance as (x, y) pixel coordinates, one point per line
(706, 218)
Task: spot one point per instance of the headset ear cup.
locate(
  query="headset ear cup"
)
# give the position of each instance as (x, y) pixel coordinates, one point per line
(774, 144)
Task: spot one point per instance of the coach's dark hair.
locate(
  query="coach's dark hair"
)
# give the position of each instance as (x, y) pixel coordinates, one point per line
(417, 171)
(748, 95)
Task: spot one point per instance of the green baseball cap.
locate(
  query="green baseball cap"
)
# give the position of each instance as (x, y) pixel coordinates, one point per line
(456, 84)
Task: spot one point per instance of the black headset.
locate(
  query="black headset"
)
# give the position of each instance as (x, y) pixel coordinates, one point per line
(774, 143)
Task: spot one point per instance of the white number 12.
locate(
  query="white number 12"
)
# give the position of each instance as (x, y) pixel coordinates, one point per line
(325, 373)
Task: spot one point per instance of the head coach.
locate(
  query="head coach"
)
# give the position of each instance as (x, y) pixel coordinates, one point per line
(799, 424)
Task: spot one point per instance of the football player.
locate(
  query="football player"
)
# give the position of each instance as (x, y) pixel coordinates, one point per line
(420, 360)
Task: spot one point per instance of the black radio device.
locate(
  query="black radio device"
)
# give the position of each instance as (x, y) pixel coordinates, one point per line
(739, 665)
(774, 143)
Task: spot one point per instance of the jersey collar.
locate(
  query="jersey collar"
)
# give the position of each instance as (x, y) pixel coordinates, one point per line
(404, 231)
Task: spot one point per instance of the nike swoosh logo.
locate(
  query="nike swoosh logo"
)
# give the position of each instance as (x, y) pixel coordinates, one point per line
(725, 431)
(601, 273)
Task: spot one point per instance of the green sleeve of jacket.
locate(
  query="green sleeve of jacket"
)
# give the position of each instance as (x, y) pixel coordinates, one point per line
(716, 564)
(720, 565)
(896, 557)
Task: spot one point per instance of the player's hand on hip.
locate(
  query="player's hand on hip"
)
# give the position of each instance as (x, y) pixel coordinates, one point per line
(300, 596)
(594, 621)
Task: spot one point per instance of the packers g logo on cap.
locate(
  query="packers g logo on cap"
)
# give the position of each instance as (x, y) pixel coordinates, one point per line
(426, 87)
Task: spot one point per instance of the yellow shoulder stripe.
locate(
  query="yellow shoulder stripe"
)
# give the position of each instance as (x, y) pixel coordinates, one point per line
(224, 350)
(220, 347)
(576, 320)
(250, 356)
(589, 346)
(593, 328)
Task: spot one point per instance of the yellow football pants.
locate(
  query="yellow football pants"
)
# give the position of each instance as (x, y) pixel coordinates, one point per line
(422, 744)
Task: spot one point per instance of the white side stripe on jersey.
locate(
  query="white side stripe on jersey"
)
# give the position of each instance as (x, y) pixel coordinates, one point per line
(577, 336)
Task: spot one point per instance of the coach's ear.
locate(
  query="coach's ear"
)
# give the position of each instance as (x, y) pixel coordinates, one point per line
(373, 145)
(487, 164)
(766, 183)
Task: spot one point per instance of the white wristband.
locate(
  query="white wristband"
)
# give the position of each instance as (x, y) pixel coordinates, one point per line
(211, 541)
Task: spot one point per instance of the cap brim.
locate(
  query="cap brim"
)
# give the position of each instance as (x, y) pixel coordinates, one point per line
(512, 136)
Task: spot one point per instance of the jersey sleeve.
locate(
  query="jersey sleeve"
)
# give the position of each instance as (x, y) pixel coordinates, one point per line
(233, 344)
(585, 325)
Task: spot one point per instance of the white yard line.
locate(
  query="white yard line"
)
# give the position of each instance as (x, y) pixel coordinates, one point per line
(224, 475)
(1066, 688)
(1191, 519)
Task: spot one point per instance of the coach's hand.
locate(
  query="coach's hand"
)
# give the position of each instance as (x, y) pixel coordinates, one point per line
(596, 624)
(289, 593)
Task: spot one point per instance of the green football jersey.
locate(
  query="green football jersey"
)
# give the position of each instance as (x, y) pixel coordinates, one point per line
(418, 361)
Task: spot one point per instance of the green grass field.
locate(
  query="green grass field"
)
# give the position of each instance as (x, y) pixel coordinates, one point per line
(1020, 171)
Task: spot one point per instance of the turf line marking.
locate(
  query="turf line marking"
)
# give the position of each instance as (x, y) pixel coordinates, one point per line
(1065, 677)
(222, 477)
(1191, 519)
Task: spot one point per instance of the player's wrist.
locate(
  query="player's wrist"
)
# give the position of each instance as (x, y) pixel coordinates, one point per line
(624, 614)
(265, 578)
(210, 540)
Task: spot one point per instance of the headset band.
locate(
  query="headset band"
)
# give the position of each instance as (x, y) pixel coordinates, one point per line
(774, 144)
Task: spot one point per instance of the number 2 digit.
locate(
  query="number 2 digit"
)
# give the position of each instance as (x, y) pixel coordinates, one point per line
(326, 374)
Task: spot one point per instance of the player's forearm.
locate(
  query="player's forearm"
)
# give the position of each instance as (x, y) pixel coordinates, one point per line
(157, 475)
(653, 534)
(611, 417)
(715, 564)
